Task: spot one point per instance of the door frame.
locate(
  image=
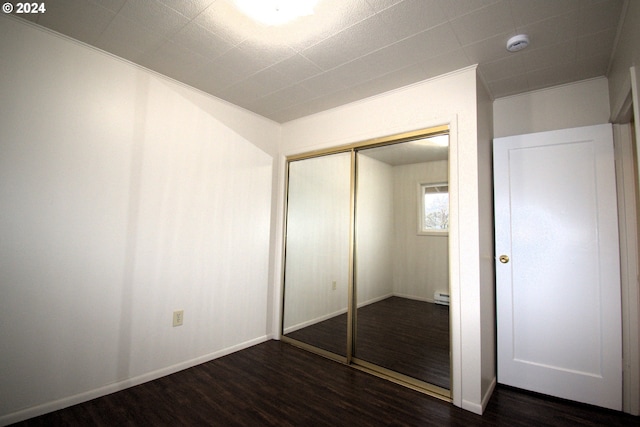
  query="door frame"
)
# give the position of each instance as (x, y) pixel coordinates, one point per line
(628, 230)
(628, 187)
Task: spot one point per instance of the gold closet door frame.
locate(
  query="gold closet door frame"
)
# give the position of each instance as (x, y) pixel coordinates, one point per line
(350, 360)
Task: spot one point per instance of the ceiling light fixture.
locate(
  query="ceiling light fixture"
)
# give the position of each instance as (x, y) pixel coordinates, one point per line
(276, 12)
(518, 42)
(432, 141)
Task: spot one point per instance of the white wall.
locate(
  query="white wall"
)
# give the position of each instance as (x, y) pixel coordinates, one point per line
(124, 197)
(317, 250)
(374, 230)
(447, 99)
(420, 262)
(577, 104)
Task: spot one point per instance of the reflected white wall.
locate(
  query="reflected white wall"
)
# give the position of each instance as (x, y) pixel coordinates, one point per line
(317, 243)
(374, 231)
(420, 262)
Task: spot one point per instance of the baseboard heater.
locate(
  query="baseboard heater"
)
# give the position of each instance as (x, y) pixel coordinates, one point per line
(441, 298)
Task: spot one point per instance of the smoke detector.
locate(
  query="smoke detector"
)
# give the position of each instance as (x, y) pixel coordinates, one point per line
(517, 43)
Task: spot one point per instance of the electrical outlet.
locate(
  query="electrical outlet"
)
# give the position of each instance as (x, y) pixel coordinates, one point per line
(178, 317)
(333, 285)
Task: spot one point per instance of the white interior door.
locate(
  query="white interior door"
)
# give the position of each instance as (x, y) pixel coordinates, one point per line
(558, 294)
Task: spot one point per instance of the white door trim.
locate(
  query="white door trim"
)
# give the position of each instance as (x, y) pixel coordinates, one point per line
(627, 217)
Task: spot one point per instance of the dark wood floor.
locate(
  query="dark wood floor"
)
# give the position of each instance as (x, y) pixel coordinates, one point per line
(407, 336)
(276, 384)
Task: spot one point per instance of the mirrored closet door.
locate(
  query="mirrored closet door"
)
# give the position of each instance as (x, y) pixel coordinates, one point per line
(366, 257)
(317, 252)
(402, 259)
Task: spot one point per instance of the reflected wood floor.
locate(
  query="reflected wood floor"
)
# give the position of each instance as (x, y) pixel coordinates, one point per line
(404, 335)
(277, 384)
(407, 336)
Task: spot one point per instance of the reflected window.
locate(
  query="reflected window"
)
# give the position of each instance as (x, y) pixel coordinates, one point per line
(434, 209)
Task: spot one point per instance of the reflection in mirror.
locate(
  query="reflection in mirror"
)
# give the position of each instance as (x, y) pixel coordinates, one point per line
(317, 252)
(402, 259)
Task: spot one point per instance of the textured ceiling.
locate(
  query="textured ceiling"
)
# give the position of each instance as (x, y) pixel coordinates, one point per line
(416, 151)
(349, 49)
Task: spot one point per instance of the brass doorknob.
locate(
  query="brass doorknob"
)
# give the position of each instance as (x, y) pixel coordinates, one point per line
(504, 259)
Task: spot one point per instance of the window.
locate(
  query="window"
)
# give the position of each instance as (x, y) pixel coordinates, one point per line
(433, 205)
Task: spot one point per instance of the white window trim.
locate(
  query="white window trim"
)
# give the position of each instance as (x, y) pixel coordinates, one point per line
(420, 222)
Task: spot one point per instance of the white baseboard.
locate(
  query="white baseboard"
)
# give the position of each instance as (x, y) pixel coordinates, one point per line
(65, 402)
(374, 300)
(487, 395)
(360, 305)
(478, 408)
(314, 321)
(334, 314)
(414, 297)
